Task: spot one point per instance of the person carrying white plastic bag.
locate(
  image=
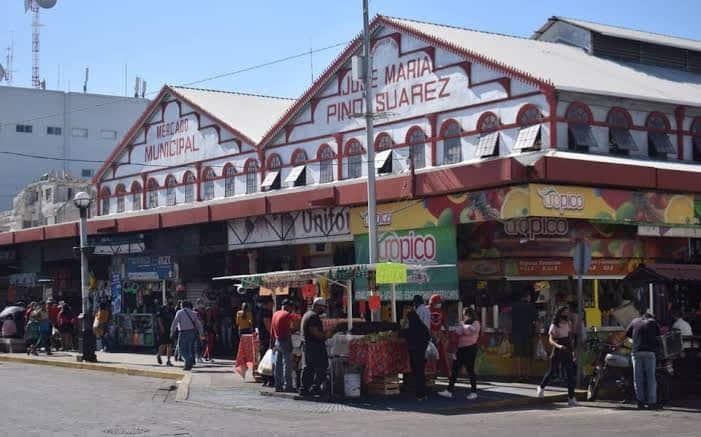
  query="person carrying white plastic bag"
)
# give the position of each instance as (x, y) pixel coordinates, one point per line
(265, 367)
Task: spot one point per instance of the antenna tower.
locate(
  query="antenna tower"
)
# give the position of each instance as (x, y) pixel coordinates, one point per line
(9, 55)
(36, 81)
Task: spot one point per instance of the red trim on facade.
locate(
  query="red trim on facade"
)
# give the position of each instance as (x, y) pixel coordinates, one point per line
(323, 147)
(7, 238)
(347, 149)
(481, 121)
(268, 162)
(380, 137)
(674, 180)
(64, 230)
(523, 109)
(339, 156)
(622, 111)
(433, 125)
(664, 118)
(101, 226)
(190, 216)
(144, 222)
(486, 174)
(299, 157)
(586, 109)
(446, 124)
(580, 172)
(280, 203)
(234, 210)
(29, 235)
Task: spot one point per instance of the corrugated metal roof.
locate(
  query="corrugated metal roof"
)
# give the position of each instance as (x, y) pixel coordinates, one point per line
(569, 68)
(250, 114)
(637, 35)
(666, 272)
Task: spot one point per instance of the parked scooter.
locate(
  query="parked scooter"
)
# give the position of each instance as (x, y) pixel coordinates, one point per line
(613, 369)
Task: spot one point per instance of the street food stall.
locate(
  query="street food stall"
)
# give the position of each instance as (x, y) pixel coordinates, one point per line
(372, 349)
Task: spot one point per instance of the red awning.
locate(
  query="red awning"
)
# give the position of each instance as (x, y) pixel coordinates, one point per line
(666, 272)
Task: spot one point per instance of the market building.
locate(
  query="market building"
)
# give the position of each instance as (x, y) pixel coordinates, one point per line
(494, 154)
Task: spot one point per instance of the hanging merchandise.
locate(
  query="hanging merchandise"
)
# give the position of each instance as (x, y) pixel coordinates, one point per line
(361, 307)
(374, 302)
(92, 281)
(309, 291)
(540, 353)
(323, 287)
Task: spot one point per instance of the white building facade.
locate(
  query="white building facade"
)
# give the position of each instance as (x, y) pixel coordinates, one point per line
(71, 132)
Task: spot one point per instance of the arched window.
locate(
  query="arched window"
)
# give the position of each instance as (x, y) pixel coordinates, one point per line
(171, 184)
(325, 156)
(208, 177)
(416, 139)
(452, 142)
(529, 135)
(105, 201)
(659, 145)
(120, 192)
(579, 119)
(488, 127)
(189, 186)
(274, 162)
(299, 157)
(354, 152)
(621, 142)
(251, 170)
(229, 180)
(152, 194)
(136, 196)
(696, 139)
(383, 142)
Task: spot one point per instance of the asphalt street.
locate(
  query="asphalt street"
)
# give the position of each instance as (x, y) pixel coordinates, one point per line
(47, 401)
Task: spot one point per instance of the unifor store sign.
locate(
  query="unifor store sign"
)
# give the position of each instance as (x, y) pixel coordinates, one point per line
(320, 225)
(403, 84)
(427, 246)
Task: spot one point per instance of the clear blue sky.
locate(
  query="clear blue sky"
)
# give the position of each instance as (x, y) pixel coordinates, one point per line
(178, 41)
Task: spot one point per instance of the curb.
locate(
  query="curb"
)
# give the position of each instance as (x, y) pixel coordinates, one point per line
(97, 367)
(183, 392)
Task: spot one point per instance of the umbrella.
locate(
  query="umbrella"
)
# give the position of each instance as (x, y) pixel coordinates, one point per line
(11, 310)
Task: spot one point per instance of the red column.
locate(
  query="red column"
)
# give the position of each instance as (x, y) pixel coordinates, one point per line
(680, 113)
(339, 155)
(433, 122)
(552, 103)
(144, 190)
(198, 169)
(98, 207)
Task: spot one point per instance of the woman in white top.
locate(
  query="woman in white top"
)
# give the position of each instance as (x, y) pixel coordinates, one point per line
(560, 334)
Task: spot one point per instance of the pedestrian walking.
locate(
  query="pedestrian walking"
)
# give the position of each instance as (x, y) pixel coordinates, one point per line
(65, 326)
(44, 330)
(189, 329)
(562, 356)
(31, 334)
(417, 336)
(645, 332)
(244, 320)
(165, 320)
(468, 333)
(263, 325)
(316, 360)
(281, 333)
(101, 326)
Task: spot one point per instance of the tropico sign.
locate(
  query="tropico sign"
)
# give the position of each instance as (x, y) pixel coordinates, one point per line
(410, 248)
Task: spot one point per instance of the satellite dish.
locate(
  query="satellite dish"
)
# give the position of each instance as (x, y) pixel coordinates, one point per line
(46, 4)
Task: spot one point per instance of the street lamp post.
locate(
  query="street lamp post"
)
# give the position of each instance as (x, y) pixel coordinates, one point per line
(82, 202)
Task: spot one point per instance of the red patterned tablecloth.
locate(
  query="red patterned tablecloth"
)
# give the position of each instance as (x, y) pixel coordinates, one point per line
(247, 356)
(383, 358)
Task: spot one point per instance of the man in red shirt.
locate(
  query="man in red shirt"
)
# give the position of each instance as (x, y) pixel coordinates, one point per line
(52, 309)
(281, 332)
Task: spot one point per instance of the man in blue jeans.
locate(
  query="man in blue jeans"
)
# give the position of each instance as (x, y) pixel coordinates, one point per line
(189, 331)
(645, 332)
(281, 332)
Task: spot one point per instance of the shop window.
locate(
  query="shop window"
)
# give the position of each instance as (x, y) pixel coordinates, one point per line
(208, 177)
(120, 192)
(658, 142)
(621, 142)
(326, 156)
(251, 170)
(152, 194)
(579, 134)
(529, 135)
(135, 196)
(354, 152)
(229, 180)
(171, 197)
(105, 201)
(452, 142)
(696, 139)
(417, 147)
(189, 187)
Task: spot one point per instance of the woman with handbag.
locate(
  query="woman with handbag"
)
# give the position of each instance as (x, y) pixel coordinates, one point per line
(560, 337)
(468, 333)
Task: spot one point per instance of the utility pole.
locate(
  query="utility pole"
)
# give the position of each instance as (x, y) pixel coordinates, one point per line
(370, 143)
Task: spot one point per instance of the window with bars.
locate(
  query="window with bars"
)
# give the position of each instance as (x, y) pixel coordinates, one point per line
(383, 142)
(579, 134)
(152, 198)
(251, 170)
(325, 164)
(417, 142)
(272, 177)
(189, 187)
(136, 197)
(659, 144)
(105, 205)
(208, 184)
(621, 141)
(354, 151)
(171, 196)
(452, 143)
(229, 180)
(299, 157)
(120, 191)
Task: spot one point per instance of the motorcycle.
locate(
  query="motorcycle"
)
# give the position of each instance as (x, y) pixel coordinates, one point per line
(613, 369)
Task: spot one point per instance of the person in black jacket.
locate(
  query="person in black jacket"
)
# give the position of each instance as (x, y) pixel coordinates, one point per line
(417, 336)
